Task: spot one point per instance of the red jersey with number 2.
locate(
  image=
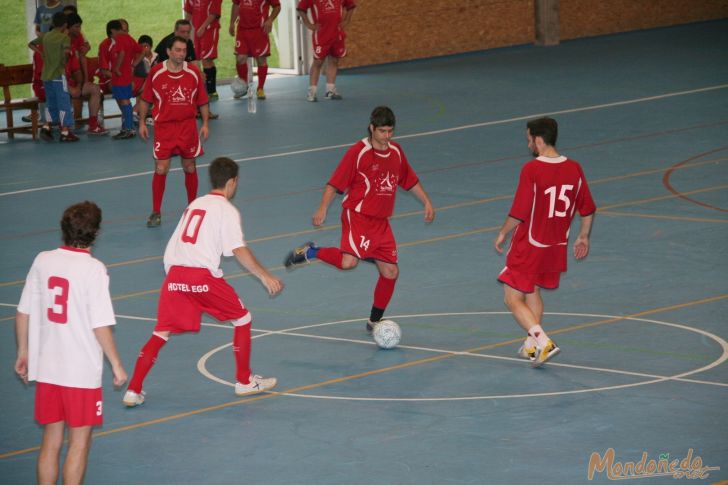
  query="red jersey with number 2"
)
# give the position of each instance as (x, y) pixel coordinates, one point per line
(175, 95)
(550, 191)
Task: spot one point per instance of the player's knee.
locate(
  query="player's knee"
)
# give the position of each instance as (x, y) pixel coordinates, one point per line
(161, 169)
(241, 59)
(390, 272)
(349, 263)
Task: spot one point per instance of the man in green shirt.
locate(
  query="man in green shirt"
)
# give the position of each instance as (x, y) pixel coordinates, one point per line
(56, 49)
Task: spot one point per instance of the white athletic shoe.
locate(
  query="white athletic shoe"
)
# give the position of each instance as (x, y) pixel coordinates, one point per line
(527, 352)
(257, 384)
(132, 399)
(311, 96)
(545, 353)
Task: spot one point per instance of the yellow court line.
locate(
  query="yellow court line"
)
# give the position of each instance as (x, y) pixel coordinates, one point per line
(458, 205)
(361, 375)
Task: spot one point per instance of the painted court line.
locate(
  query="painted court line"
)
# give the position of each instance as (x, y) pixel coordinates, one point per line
(402, 137)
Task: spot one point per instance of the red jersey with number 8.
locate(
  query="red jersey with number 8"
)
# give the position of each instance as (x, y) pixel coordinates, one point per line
(550, 191)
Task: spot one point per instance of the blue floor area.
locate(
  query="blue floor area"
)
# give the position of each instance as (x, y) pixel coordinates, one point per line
(641, 322)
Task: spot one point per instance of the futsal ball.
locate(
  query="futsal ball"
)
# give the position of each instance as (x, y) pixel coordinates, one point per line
(387, 334)
(238, 87)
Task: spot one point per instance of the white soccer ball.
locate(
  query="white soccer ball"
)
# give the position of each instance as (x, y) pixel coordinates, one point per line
(387, 334)
(238, 87)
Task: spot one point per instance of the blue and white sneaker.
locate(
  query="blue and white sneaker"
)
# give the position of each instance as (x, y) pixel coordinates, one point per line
(299, 255)
(257, 384)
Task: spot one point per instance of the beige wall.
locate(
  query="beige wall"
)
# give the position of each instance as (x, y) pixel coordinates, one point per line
(395, 30)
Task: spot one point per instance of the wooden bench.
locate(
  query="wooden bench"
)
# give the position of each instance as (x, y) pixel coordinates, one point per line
(16, 76)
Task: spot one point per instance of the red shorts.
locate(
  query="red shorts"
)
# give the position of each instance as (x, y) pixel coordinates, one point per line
(334, 47)
(75, 406)
(206, 46)
(252, 42)
(187, 292)
(526, 282)
(367, 237)
(39, 90)
(177, 138)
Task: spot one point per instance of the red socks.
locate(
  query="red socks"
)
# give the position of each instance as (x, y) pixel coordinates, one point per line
(145, 361)
(241, 352)
(383, 291)
(158, 184)
(262, 74)
(191, 186)
(242, 71)
(332, 256)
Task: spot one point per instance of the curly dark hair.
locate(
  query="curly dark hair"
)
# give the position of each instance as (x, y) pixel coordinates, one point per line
(80, 224)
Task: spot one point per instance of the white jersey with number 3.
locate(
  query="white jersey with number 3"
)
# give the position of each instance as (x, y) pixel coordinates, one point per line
(67, 296)
(209, 227)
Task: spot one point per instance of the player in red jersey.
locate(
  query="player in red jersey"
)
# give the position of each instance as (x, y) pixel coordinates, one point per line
(176, 89)
(328, 22)
(550, 190)
(255, 21)
(210, 227)
(125, 53)
(369, 174)
(205, 18)
(64, 328)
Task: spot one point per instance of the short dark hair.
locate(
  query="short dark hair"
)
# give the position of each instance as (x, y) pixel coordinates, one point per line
(145, 39)
(181, 22)
(69, 9)
(222, 169)
(112, 25)
(80, 224)
(546, 128)
(176, 38)
(382, 116)
(74, 19)
(59, 19)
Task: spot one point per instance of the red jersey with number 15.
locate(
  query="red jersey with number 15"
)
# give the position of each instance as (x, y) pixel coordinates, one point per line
(370, 178)
(175, 95)
(550, 191)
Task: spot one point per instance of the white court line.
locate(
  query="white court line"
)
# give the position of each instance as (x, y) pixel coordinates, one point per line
(201, 363)
(413, 135)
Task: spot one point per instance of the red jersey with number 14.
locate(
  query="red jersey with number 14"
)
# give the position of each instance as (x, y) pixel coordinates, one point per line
(370, 178)
(175, 95)
(210, 227)
(550, 191)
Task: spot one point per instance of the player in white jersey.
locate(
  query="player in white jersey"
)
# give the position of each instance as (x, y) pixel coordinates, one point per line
(210, 227)
(63, 328)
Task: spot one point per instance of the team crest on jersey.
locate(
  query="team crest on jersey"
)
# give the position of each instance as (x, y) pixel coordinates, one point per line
(329, 5)
(386, 183)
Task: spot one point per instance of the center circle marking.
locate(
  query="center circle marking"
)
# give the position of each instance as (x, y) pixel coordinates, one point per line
(201, 364)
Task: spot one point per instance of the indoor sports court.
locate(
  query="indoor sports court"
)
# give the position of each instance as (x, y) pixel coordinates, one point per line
(641, 322)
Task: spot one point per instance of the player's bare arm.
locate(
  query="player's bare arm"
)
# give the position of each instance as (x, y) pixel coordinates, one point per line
(246, 257)
(21, 338)
(581, 245)
(205, 129)
(422, 196)
(268, 24)
(143, 109)
(234, 12)
(105, 337)
(347, 18)
(210, 19)
(508, 226)
(320, 215)
(309, 25)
